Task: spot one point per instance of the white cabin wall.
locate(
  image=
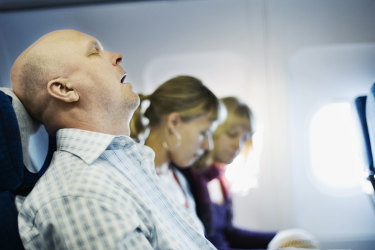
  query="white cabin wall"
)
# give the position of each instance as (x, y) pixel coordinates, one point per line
(294, 27)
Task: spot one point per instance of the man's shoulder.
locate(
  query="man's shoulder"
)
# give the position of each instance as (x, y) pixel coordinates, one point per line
(72, 177)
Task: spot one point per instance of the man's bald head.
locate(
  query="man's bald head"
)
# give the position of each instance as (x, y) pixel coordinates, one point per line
(36, 66)
(66, 80)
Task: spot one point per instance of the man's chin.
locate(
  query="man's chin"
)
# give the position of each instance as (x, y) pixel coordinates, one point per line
(137, 101)
(133, 104)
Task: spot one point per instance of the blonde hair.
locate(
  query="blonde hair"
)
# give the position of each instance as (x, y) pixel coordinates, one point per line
(186, 95)
(235, 110)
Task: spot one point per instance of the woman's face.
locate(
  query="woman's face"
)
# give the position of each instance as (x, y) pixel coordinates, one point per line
(231, 139)
(196, 137)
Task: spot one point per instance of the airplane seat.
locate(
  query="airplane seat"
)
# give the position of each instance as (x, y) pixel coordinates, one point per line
(25, 153)
(360, 104)
(370, 117)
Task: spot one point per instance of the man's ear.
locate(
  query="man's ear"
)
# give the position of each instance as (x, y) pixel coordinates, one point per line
(173, 120)
(60, 89)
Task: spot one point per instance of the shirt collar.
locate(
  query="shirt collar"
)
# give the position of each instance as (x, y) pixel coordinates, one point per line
(89, 145)
(163, 169)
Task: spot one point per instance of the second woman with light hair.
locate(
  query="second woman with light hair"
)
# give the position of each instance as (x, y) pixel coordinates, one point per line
(212, 192)
(177, 120)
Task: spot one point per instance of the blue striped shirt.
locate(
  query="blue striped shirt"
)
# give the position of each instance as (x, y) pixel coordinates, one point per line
(101, 192)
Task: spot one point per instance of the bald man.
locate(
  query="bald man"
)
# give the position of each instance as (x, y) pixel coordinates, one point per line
(101, 190)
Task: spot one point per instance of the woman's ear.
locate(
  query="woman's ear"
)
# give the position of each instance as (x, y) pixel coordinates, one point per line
(173, 120)
(172, 137)
(60, 89)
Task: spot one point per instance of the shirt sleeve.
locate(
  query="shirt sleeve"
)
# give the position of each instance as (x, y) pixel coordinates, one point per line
(84, 223)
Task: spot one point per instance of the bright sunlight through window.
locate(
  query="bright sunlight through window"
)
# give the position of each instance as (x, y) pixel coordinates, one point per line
(335, 147)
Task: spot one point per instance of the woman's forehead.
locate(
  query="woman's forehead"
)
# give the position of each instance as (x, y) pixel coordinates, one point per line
(234, 121)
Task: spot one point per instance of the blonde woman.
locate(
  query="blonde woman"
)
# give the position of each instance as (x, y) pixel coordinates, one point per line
(177, 124)
(207, 181)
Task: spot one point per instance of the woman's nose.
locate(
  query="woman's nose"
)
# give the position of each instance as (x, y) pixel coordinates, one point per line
(236, 144)
(207, 143)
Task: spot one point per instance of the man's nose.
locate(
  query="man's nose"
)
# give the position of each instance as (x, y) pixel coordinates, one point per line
(116, 59)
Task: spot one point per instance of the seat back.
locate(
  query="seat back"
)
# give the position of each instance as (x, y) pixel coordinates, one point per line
(370, 117)
(25, 153)
(360, 104)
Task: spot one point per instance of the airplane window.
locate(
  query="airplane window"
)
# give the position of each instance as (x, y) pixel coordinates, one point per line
(335, 148)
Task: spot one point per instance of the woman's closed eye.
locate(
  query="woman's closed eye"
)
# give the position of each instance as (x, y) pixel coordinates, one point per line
(232, 134)
(206, 133)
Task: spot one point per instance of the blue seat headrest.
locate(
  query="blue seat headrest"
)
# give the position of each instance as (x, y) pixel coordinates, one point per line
(360, 103)
(370, 117)
(11, 172)
(25, 147)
